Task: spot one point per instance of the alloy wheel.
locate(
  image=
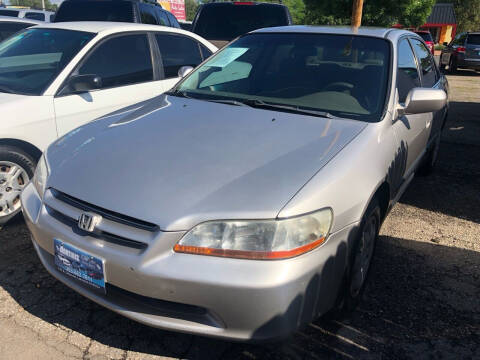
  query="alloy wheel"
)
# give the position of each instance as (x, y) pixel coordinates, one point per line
(13, 179)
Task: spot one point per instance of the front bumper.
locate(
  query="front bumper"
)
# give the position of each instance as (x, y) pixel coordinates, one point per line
(219, 297)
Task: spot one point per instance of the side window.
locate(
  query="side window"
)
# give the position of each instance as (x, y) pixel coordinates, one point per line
(459, 40)
(35, 16)
(177, 51)
(206, 53)
(120, 61)
(407, 73)
(426, 62)
(162, 18)
(147, 15)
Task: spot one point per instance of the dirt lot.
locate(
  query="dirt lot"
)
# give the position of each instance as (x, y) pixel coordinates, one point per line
(422, 299)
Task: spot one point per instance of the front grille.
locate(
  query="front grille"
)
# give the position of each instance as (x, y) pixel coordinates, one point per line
(107, 214)
(119, 240)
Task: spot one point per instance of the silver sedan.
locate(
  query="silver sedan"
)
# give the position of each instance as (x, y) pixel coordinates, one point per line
(245, 202)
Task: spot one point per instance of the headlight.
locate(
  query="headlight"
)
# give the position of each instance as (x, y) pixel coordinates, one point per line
(40, 177)
(262, 239)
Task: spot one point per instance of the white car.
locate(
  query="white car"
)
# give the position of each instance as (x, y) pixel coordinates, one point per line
(56, 77)
(40, 15)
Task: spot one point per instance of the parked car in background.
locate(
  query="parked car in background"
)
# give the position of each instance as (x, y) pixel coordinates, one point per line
(185, 25)
(462, 53)
(31, 14)
(56, 77)
(427, 37)
(246, 201)
(136, 11)
(223, 21)
(10, 25)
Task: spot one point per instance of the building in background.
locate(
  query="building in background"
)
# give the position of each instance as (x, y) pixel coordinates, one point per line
(176, 7)
(441, 23)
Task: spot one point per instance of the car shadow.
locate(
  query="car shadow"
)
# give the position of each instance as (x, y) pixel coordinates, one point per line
(415, 288)
(453, 188)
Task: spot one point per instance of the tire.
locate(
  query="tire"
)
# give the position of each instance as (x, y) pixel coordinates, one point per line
(428, 165)
(452, 65)
(12, 184)
(359, 267)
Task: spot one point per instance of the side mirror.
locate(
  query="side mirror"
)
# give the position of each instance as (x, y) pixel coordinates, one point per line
(421, 100)
(184, 71)
(84, 83)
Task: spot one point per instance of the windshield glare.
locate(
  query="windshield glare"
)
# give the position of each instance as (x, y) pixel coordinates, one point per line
(31, 59)
(340, 74)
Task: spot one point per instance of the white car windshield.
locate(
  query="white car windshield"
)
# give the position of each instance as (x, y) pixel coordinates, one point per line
(343, 75)
(31, 60)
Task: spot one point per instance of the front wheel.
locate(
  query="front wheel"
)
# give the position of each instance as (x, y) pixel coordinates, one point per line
(16, 170)
(362, 256)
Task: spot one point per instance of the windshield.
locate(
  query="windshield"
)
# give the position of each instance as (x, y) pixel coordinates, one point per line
(119, 11)
(426, 36)
(226, 22)
(31, 59)
(339, 74)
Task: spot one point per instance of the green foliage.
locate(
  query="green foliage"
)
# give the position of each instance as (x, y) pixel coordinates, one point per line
(34, 4)
(375, 12)
(191, 7)
(467, 13)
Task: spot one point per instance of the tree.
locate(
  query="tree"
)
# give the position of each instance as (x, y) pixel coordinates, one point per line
(467, 13)
(34, 4)
(297, 10)
(191, 7)
(375, 12)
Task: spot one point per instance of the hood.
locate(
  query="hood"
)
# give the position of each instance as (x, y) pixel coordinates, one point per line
(177, 162)
(12, 99)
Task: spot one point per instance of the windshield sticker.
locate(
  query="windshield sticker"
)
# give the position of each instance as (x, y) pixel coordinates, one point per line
(227, 56)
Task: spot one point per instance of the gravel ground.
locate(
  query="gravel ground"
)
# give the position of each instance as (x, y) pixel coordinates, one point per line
(422, 299)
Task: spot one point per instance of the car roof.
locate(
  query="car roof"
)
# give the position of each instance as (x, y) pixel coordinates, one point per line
(337, 30)
(108, 26)
(20, 20)
(242, 3)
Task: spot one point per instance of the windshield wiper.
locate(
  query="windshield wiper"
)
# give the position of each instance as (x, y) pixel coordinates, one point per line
(292, 108)
(178, 93)
(227, 101)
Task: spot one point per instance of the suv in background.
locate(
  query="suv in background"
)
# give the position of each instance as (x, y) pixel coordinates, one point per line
(31, 14)
(222, 22)
(133, 11)
(427, 37)
(462, 52)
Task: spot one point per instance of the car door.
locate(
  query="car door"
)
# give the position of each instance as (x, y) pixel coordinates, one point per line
(125, 63)
(431, 78)
(451, 48)
(411, 130)
(178, 50)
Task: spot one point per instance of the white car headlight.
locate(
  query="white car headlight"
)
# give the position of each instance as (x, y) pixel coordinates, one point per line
(258, 239)
(40, 177)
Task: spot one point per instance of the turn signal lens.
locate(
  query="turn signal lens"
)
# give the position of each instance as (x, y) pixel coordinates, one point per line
(259, 240)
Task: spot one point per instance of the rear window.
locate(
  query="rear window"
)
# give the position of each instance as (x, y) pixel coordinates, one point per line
(13, 13)
(226, 22)
(120, 11)
(35, 16)
(426, 36)
(473, 39)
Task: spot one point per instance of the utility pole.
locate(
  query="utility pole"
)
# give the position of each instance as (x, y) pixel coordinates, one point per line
(43, 5)
(357, 13)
